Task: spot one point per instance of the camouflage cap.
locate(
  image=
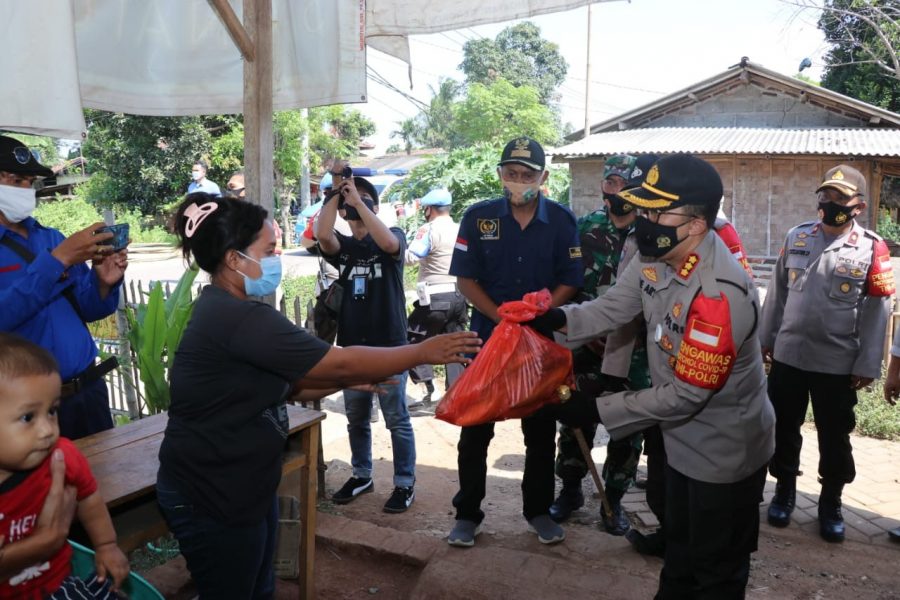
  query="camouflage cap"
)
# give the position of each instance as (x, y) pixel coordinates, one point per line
(619, 164)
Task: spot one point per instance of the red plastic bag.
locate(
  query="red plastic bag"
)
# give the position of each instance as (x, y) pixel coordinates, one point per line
(516, 372)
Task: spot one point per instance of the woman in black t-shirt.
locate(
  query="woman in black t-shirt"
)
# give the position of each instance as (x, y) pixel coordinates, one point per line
(239, 359)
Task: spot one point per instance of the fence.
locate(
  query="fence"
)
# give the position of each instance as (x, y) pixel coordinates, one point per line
(126, 391)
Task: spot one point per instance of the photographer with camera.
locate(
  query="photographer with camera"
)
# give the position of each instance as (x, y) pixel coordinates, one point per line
(372, 312)
(48, 291)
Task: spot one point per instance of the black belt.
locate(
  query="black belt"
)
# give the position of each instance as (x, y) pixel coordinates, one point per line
(89, 375)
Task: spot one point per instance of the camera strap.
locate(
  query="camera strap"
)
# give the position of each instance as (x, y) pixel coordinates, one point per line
(28, 256)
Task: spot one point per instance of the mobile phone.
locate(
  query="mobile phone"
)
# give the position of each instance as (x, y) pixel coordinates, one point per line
(120, 232)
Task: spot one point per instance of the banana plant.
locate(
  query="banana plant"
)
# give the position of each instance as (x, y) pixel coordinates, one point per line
(155, 330)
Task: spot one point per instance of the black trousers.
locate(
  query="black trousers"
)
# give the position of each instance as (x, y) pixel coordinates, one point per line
(447, 313)
(85, 412)
(711, 529)
(790, 391)
(656, 472)
(538, 482)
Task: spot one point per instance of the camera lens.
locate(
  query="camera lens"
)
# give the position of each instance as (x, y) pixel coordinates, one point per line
(347, 172)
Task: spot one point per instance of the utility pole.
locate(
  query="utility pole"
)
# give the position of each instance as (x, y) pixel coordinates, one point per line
(587, 77)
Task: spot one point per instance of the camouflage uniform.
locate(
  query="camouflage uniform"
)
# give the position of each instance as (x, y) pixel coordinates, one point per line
(602, 247)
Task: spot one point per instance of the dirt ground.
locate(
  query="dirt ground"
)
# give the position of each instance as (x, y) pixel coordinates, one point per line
(791, 563)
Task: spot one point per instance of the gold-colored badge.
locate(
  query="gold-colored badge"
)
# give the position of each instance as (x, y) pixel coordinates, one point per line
(564, 392)
(856, 273)
(653, 175)
(575, 252)
(802, 236)
(854, 237)
(666, 343)
(800, 243)
(840, 219)
(672, 361)
(649, 273)
(521, 149)
(793, 275)
(663, 241)
(489, 228)
(840, 269)
(676, 310)
(838, 175)
(845, 287)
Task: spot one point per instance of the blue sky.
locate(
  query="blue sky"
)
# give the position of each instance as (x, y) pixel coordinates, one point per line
(641, 50)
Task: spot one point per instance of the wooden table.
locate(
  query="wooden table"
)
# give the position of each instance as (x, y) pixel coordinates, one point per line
(125, 461)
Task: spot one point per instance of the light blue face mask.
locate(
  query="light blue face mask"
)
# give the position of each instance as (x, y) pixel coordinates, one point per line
(268, 281)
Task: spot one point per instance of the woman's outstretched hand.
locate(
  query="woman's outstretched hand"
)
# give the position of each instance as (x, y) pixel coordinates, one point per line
(450, 348)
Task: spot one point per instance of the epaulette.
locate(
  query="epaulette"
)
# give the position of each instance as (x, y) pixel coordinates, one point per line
(873, 235)
(481, 204)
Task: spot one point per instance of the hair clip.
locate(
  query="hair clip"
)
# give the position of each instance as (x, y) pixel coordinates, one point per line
(196, 214)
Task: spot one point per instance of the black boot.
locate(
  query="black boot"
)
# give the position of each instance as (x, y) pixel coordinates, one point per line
(570, 499)
(651, 544)
(429, 390)
(617, 523)
(783, 502)
(831, 521)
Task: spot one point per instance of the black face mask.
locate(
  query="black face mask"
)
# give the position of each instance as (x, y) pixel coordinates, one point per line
(655, 240)
(617, 206)
(836, 215)
(350, 212)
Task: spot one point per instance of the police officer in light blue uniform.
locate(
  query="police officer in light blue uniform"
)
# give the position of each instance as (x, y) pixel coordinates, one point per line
(440, 308)
(521, 242)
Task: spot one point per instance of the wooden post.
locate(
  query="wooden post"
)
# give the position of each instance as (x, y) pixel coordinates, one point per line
(258, 117)
(258, 140)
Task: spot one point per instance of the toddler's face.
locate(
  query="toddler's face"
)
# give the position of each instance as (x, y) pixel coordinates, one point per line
(28, 425)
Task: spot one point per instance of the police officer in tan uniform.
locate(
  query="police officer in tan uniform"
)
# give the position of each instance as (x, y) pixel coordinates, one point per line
(823, 326)
(439, 307)
(709, 386)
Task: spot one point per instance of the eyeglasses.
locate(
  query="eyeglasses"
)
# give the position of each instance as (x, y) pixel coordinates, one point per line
(654, 215)
(22, 154)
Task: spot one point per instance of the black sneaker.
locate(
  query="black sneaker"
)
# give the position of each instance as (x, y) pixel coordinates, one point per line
(354, 487)
(401, 499)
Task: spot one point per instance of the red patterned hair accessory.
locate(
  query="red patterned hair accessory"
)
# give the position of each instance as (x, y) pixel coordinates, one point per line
(196, 214)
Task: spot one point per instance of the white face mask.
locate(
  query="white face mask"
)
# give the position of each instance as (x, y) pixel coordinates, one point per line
(196, 175)
(17, 204)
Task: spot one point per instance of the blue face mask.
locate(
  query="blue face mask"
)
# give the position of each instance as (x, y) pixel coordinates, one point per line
(268, 281)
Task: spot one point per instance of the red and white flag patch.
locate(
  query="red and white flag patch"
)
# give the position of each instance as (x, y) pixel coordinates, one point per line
(461, 244)
(707, 354)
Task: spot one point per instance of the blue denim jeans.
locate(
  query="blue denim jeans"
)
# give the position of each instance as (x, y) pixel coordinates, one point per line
(358, 406)
(225, 561)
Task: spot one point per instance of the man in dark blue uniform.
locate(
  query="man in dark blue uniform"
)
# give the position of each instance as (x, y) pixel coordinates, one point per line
(48, 293)
(509, 246)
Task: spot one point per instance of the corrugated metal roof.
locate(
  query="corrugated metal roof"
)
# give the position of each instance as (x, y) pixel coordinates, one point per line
(736, 140)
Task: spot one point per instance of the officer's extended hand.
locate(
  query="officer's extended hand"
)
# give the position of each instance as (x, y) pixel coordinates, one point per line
(547, 323)
(579, 410)
(83, 245)
(858, 383)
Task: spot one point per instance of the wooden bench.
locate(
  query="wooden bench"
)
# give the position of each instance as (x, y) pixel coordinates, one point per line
(125, 461)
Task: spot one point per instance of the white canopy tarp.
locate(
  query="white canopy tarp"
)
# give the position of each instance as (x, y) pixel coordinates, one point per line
(175, 57)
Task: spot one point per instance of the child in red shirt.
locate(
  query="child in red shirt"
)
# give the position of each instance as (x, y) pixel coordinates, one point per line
(34, 556)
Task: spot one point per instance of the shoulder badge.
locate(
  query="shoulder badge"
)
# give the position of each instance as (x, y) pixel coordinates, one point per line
(707, 354)
(652, 175)
(649, 274)
(881, 273)
(689, 264)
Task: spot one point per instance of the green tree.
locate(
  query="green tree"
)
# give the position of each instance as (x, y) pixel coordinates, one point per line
(502, 111)
(147, 160)
(518, 54)
(408, 131)
(437, 128)
(864, 60)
